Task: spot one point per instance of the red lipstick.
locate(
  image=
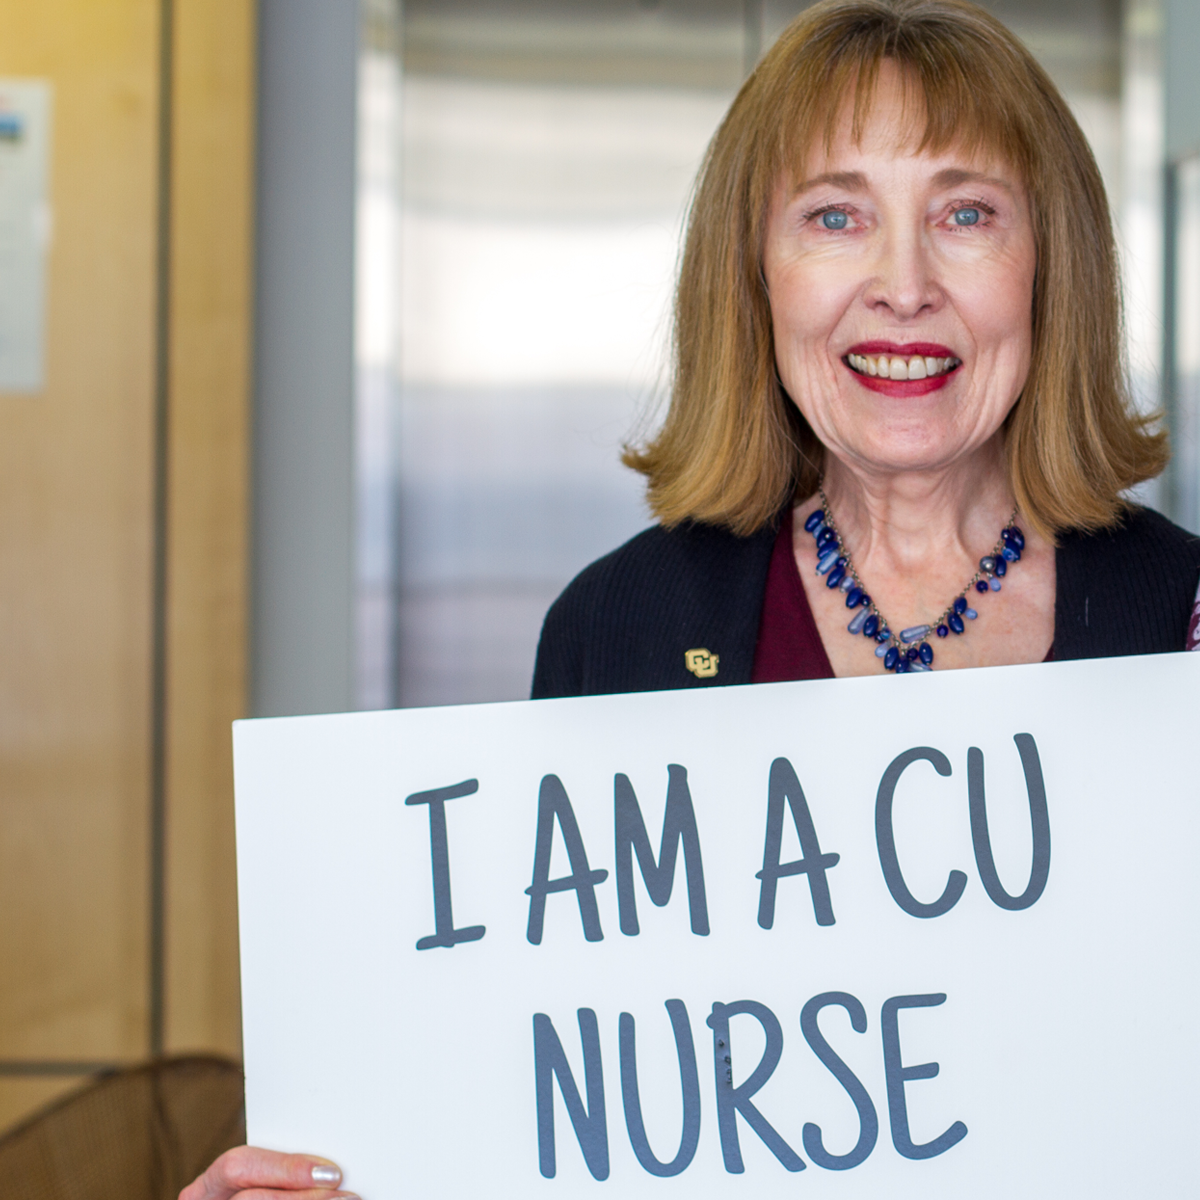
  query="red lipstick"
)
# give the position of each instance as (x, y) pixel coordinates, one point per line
(901, 388)
(904, 349)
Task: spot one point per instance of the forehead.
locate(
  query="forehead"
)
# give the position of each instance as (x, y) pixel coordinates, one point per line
(879, 160)
(892, 117)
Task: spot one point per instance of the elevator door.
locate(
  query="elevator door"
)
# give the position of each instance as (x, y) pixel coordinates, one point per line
(548, 151)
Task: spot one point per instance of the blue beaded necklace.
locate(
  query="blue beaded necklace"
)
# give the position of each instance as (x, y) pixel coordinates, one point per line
(909, 650)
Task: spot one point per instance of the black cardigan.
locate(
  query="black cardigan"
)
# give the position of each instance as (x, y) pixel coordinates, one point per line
(625, 623)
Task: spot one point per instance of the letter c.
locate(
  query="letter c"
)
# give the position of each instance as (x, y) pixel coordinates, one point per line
(885, 838)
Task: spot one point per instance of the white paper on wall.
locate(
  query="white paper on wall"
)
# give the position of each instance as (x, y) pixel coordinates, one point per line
(25, 106)
(1013, 899)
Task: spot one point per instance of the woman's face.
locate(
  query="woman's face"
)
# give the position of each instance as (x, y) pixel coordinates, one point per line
(901, 288)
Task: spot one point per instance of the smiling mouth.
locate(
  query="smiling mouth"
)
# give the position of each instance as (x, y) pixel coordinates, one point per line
(891, 366)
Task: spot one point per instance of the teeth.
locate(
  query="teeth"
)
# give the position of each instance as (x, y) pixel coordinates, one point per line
(888, 367)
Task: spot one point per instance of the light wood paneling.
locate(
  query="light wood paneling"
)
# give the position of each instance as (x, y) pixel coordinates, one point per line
(77, 470)
(75, 554)
(212, 169)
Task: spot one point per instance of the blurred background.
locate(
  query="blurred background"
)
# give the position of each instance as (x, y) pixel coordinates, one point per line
(321, 325)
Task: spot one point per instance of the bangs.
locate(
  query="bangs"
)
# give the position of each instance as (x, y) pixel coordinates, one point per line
(957, 92)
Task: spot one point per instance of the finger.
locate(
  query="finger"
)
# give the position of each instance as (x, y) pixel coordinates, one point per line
(248, 1167)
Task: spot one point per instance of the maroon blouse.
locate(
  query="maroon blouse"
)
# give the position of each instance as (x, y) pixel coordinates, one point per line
(789, 646)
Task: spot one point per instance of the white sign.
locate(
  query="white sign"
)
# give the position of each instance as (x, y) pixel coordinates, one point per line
(920, 936)
(24, 231)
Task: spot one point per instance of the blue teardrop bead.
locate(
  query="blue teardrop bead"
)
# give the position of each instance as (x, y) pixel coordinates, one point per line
(943, 631)
(955, 622)
(870, 625)
(826, 561)
(826, 538)
(981, 585)
(880, 651)
(1013, 535)
(970, 614)
(1001, 567)
(903, 666)
(847, 583)
(883, 634)
(891, 658)
(919, 666)
(815, 518)
(835, 576)
(925, 650)
(994, 584)
(858, 621)
(914, 633)
(853, 596)
(960, 606)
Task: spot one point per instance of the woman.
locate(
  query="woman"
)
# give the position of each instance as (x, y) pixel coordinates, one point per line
(899, 435)
(897, 191)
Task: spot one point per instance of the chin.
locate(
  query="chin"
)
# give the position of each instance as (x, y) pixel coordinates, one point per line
(897, 455)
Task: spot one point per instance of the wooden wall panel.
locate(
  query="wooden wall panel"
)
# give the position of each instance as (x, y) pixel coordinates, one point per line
(211, 267)
(77, 526)
(75, 553)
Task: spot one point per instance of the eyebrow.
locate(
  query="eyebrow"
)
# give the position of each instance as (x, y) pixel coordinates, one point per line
(856, 181)
(954, 176)
(851, 181)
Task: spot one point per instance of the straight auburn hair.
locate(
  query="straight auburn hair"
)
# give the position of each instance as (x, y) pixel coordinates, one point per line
(733, 449)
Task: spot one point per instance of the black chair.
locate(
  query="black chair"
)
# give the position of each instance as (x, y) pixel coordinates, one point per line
(137, 1134)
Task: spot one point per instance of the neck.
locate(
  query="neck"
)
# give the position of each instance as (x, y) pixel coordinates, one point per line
(912, 521)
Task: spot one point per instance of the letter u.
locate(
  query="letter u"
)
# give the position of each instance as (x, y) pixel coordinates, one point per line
(1039, 819)
(689, 1081)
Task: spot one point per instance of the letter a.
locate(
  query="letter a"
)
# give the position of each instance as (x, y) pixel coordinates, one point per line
(784, 785)
(553, 803)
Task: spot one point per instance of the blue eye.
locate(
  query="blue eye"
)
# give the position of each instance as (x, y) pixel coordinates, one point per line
(966, 216)
(834, 219)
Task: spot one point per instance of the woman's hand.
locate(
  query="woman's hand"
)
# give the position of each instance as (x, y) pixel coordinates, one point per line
(248, 1173)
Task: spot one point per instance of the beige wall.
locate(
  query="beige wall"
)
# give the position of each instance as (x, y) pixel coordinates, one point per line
(77, 469)
(210, 365)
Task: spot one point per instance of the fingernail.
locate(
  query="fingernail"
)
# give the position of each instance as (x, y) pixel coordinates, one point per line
(326, 1175)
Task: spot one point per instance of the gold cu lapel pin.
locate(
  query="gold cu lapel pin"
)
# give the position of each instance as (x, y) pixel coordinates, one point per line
(701, 663)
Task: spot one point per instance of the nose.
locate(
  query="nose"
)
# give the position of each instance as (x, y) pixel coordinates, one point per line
(904, 284)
